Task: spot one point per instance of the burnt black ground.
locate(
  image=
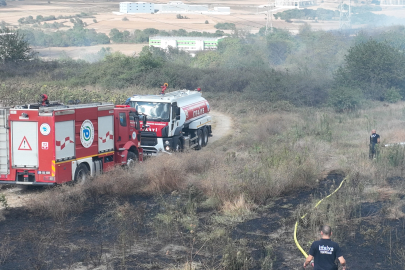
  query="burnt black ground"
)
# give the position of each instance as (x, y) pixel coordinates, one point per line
(41, 243)
(360, 254)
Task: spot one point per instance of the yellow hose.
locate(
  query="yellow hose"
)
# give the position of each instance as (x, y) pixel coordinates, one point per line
(316, 205)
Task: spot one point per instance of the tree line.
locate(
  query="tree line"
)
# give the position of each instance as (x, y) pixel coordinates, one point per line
(81, 36)
(142, 36)
(359, 15)
(312, 68)
(39, 18)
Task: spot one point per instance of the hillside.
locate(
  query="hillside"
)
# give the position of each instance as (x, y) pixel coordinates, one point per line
(302, 107)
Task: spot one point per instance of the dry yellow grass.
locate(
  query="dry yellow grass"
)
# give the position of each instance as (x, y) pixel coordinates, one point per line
(237, 207)
(245, 169)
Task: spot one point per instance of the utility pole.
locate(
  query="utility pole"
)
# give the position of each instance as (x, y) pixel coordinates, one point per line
(345, 16)
(267, 20)
(269, 14)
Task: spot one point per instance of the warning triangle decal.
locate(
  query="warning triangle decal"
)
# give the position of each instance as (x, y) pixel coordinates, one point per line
(24, 145)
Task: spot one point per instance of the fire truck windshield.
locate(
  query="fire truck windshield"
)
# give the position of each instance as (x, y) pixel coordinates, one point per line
(155, 111)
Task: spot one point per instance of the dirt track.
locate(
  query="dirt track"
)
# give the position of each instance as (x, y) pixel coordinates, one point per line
(222, 124)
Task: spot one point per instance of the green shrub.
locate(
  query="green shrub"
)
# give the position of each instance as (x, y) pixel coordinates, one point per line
(78, 36)
(344, 99)
(372, 66)
(392, 95)
(395, 155)
(225, 26)
(307, 14)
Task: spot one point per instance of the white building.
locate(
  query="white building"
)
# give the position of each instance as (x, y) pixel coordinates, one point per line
(190, 44)
(137, 7)
(179, 7)
(295, 3)
(392, 3)
(222, 9)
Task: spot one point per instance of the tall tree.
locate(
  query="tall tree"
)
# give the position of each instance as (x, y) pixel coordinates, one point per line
(14, 47)
(373, 67)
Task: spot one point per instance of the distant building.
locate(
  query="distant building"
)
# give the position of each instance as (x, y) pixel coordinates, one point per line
(171, 7)
(178, 7)
(295, 3)
(137, 7)
(190, 44)
(392, 3)
(222, 9)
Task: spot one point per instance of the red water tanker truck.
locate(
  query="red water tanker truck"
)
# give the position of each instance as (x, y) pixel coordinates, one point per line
(51, 143)
(175, 121)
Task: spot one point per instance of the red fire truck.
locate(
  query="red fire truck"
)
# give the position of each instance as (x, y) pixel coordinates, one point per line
(52, 143)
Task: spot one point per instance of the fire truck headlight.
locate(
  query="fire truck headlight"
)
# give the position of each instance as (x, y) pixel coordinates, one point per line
(167, 148)
(167, 142)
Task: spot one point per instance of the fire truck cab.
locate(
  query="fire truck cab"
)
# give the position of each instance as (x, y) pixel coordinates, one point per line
(47, 144)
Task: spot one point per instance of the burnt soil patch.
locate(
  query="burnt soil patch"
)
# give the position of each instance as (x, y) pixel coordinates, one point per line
(95, 237)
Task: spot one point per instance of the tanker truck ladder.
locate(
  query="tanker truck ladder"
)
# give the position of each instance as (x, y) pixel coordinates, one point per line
(4, 163)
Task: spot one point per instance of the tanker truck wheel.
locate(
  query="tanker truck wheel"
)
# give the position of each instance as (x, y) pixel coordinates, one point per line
(205, 136)
(199, 140)
(82, 174)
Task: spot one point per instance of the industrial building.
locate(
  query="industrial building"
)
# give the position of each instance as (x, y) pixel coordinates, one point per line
(295, 3)
(137, 7)
(222, 9)
(180, 7)
(190, 44)
(392, 3)
(177, 7)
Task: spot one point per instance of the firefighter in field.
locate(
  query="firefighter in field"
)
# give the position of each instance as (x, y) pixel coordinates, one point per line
(374, 141)
(324, 253)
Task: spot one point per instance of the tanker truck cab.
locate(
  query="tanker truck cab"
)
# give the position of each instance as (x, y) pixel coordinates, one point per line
(175, 121)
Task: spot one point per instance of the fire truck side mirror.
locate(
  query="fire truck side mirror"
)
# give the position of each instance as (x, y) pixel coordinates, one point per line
(177, 117)
(178, 111)
(132, 122)
(142, 117)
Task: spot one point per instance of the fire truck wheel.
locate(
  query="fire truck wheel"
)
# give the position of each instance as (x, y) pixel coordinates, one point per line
(205, 136)
(199, 140)
(82, 174)
(131, 159)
